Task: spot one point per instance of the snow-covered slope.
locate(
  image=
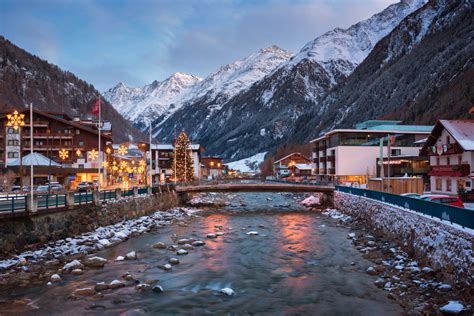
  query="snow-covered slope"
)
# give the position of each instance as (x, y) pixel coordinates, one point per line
(151, 100)
(238, 76)
(159, 100)
(250, 164)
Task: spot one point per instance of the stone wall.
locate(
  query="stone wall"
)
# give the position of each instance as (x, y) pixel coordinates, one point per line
(30, 231)
(445, 248)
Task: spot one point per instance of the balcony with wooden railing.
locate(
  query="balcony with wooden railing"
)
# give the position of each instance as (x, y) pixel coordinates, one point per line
(462, 170)
(48, 135)
(322, 159)
(331, 158)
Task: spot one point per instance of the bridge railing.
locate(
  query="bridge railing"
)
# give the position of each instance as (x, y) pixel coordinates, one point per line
(309, 182)
(452, 214)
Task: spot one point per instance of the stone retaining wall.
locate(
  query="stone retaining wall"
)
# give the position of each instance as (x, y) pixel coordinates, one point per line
(445, 248)
(30, 231)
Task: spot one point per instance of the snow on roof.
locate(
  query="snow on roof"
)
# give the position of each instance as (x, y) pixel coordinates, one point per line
(462, 131)
(290, 156)
(37, 160)
(303, 166)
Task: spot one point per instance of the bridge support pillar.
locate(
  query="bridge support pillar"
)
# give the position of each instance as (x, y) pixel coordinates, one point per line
(118, 193)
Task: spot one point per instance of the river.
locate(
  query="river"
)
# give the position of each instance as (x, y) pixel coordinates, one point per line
(301, 262)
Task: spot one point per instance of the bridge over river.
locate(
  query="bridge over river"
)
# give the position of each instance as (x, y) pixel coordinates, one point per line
(326, 192)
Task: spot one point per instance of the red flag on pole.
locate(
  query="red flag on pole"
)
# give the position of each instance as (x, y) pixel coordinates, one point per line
(96, 107)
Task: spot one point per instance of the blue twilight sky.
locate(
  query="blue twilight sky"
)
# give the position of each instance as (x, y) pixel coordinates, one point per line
(138, 41)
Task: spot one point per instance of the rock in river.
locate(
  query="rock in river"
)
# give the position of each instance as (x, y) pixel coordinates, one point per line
(101, 286)
(198, 243)
(157, 289)
(96, 262)
(87, 291)
(159, 245)
(453, 308)
(173, 260)
(211, 236)
(115, 284)
(56, 278)
(227, 291)
(181, 252)
(252, 233)
(132, 255)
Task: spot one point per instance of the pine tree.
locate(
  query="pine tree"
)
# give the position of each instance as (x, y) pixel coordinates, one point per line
(183, 166)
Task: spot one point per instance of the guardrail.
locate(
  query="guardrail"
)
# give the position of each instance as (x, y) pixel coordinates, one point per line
(452, 214)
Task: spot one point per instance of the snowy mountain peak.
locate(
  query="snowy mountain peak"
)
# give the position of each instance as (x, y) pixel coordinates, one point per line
(352, 45)
(151, 100)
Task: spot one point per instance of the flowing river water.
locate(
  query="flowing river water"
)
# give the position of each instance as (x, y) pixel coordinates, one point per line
(301, 262)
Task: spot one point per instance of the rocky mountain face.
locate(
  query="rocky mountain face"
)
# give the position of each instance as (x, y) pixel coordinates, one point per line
(25, 79)
(160, 100)
(264, 116)
(420, 72)
(153, 100)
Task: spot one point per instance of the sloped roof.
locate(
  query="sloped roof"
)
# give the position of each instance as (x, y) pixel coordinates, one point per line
(36, 159)
(290, 156)
(462, 131)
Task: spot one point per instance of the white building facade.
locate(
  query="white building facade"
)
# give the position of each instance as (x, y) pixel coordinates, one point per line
(451, 151)
(350, 155)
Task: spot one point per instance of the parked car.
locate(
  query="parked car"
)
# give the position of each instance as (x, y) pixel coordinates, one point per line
(444, 199)
(42, 189)
(411, 195)
(83, 186)
(16, 189)
(55, 186)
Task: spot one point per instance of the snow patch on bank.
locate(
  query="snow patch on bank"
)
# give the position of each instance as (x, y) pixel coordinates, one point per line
(98, 239)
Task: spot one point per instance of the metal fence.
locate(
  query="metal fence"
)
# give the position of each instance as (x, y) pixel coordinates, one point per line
(12, 203)
(452, 214)
(82, 198)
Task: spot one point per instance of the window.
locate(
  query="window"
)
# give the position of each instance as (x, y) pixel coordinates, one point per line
(437, 161)
(81, 143)
(395, 152)
(448, 161)
(11, 130)
(468, 184)
(439, 185)
(13, 142)
(448, 185)
(78, 131)
(13, 155)
(459, 160)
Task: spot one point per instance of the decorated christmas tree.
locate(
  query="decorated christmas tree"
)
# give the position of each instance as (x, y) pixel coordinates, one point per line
(183, 169)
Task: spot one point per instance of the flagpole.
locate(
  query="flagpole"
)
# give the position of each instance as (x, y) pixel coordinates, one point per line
(174, 144)
(100, 155)
(151, 178)
(31, 155)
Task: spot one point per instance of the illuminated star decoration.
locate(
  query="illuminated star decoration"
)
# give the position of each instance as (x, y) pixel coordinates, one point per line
(78, 153)
(93, 154)
(122, 150)
(63, 154)
(15, 120)
(108, 150)
(105, 164)
(123, 164)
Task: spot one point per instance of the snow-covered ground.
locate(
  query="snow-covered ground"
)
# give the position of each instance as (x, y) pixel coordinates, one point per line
(100, 238)
(248, 165)
(469, 206)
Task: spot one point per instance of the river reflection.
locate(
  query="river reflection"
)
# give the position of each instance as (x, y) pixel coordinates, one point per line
(297, 264)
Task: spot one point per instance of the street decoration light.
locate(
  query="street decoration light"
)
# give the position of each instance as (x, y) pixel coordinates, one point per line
(108, 150)
(93, 154)
(78, 153)
(105, 164)
(123, 164)
(122, 150)
(63, 154)
(15, 120)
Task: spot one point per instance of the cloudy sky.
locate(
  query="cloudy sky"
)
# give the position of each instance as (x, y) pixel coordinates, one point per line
(139, 41)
